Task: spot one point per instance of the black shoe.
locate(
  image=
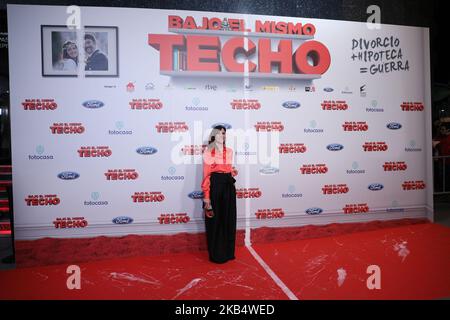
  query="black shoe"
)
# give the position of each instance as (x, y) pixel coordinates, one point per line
(224, 261)
(9, 260)
(217, 261)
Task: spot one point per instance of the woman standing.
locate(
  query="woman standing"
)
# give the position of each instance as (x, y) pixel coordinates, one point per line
(220, 196)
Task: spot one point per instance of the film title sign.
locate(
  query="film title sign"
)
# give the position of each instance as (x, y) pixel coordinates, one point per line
(206, 52)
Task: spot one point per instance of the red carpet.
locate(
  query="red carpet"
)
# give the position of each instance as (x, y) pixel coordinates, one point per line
(49, 251)
(414, 262)
(175, 276)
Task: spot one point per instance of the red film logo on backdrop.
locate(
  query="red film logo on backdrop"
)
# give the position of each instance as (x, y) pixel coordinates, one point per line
(145, 104)
(94, 152)
(292, 148)
(395, 166)
(207, 53)
(192, 150)
(355, 126)
(314, 169)
(169, 127)
(335, 189)
(121, 174)
(375, 147)
(269, 213)
(413, 185)
(39, 104)
(173, 218)
(245, 193)
(69, 223)
(245, 104)
(67, 128)
(334, 105)
(356, 208)
(266, 126)
(42, 200)
(412, 106)
(155, 196)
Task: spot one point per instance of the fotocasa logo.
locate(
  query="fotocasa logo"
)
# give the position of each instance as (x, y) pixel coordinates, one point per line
(291, 193)
(95, 196)
(356, 169)
(313, 128)
(40, 149)
(196, 105)
(119, 129)
(172, 176)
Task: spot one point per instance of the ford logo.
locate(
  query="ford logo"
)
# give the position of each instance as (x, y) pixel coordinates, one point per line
(376, 187)
(291, 105)
(269, 170)
(68, 175)
(196, 195)
(314, 211)
(122, 220)
(328, 89)
(335, 147)
(394, 126)
(225, 125)
(146, 150)
(93, 104)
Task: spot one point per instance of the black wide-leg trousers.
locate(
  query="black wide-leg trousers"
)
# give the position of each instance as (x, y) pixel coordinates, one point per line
(221, 228)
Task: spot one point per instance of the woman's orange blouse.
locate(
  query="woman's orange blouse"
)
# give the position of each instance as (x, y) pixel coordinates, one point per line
(215, 161)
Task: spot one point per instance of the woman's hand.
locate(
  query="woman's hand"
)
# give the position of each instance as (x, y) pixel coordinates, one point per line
(234, 172)
(207, 203)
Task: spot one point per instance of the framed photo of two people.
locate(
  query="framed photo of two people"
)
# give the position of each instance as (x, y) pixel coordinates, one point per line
(92, 51)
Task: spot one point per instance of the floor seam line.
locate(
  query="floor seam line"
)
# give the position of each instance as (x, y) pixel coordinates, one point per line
(272, 274)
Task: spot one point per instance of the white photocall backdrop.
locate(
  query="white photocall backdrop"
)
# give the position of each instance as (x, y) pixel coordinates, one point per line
(281, 194)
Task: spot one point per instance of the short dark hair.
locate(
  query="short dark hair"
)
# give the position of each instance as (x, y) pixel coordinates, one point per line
(90, 36)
